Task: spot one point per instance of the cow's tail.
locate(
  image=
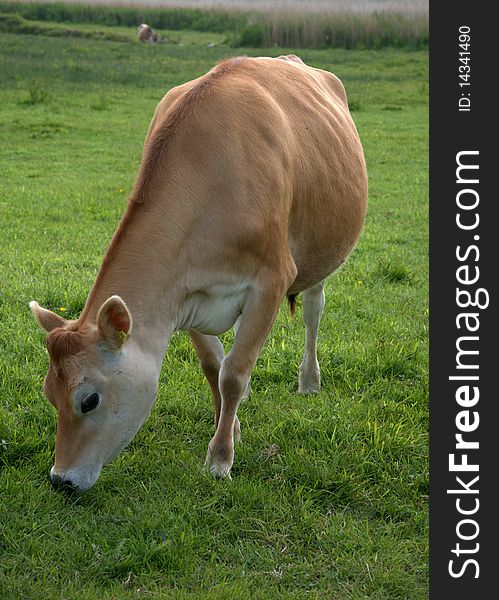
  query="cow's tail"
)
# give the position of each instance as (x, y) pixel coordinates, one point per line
(292, 303)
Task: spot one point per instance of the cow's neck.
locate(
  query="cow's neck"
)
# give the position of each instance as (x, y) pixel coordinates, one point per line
(142, 265)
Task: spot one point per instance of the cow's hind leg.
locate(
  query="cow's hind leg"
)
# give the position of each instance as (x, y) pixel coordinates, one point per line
(258, 315)
(210, 353)
(247, 391)
(313, 306)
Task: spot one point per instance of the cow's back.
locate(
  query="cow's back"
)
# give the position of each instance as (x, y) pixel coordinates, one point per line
(274, 143)
(329, 175)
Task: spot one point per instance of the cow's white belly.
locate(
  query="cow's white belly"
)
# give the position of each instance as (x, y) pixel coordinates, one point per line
(214, 310)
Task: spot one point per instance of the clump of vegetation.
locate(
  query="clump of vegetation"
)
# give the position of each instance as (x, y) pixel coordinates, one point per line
(354, 105)
(159, 18)
(393, 271)
(36, 95)
(13, 23)
(100, 103)
(250, 28)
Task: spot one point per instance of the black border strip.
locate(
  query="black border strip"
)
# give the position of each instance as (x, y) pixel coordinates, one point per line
(453, 131)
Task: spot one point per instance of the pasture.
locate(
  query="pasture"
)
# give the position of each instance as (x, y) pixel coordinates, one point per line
(330, 491)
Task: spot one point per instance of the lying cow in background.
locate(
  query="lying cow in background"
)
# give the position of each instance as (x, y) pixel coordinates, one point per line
(252, 187)
(146, 34)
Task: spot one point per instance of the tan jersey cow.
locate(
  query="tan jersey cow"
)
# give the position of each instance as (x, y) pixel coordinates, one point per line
(252, 187)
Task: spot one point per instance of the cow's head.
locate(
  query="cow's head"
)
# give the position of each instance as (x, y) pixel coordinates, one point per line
(102, 385)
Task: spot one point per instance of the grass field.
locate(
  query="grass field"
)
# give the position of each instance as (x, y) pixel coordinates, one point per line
(329, 496)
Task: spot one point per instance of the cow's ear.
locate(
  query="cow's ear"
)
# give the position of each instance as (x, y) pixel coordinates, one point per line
(114, 322)
(47, 319)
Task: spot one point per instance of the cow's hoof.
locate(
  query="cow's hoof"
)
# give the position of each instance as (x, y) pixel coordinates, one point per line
(218, 466)
(309, 389)
(310, 383)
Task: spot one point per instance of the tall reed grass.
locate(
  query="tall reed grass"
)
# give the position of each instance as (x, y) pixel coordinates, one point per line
(291, 24)
(303, 6)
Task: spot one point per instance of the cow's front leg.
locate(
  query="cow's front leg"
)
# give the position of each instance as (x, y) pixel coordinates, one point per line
(258, 315)
(210, 353)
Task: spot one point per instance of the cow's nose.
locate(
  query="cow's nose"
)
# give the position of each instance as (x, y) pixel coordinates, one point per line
(61, 483)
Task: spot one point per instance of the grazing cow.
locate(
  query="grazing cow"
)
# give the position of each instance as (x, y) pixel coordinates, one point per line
(252, 187)
(146, 34)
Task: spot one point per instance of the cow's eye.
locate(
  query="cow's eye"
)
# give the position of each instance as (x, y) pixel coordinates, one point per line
(89, 403)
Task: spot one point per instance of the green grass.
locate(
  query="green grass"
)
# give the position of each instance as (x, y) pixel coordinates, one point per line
(294, 24)
(329, 497)
(13, 23)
